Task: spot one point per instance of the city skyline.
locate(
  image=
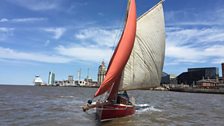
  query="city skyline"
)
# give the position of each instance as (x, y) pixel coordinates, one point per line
(65, 36)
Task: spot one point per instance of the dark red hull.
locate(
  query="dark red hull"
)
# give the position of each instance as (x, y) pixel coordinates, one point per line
(108, 112)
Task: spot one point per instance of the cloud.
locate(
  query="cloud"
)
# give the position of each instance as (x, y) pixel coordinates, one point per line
(58, 32)
(195, 17)
(195, 36)
(100, 36)
(218, 61)
(47, 43)
(100, 14)
(61, 54)
(28, 19)
(5, 33)
(37, 5)
(21, 20)
(7, 53)
(215, 51)
(96, 44)
(97, 51)
(4, 29)
(194, 45)
(87, 53)
(184, 54)
(196, 23)
(4, 20)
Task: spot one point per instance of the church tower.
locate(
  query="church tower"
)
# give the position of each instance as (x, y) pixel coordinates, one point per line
(101, 73)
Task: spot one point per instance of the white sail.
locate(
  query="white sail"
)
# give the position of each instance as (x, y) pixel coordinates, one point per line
(144, 67)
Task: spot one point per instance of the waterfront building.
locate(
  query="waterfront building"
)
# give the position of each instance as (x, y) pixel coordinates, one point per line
(165, 78)
(38, 81)
(168, 79)
(71, 80)
(58, 83)
(51, 78)
(101, 73)
(90, 82)
(81, 83)
(195, 74)
(173, 79)
(208, 83)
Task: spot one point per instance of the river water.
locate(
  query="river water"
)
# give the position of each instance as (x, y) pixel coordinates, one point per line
(61, 106)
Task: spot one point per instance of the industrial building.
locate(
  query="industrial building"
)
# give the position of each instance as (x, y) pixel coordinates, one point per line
(195, 74)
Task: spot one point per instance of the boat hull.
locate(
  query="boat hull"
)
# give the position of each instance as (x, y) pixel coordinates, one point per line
(111, 111)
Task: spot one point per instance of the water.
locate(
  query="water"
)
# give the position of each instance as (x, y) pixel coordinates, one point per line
(60, 106)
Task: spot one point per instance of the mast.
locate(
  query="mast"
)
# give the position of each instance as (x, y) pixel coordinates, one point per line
(122, 52)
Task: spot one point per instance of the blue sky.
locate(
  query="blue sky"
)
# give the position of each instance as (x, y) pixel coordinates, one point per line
(64, 36)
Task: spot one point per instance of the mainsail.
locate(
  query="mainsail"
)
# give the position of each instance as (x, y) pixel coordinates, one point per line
(138, 59)
(144, 67)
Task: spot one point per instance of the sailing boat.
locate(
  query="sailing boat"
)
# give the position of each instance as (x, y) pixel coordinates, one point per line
(136, 63)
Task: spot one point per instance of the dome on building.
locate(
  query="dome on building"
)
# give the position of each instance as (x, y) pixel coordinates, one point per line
(102, 66)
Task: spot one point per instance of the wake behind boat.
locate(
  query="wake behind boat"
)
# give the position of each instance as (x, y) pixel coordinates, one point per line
(136, 63)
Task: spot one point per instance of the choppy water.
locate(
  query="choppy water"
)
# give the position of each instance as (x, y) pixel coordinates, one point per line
(60, 106)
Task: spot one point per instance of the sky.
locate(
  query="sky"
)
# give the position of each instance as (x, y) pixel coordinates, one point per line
(66, 36)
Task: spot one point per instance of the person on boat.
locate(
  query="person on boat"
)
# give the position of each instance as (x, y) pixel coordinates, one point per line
(91, 105)
(126, 94)
(123, 98)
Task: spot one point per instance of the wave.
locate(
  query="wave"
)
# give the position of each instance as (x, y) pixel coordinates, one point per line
(67, 96)
(140, 108)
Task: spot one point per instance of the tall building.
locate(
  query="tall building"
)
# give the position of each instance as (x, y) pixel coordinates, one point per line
(101, 73)
(51, 78)
(223, 71)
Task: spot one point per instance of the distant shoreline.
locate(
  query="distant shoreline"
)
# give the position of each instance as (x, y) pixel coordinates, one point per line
(16, 85)
(47, 86)
(175, 89)
(198, 90)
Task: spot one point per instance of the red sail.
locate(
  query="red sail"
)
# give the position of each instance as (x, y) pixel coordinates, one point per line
(122, 52)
